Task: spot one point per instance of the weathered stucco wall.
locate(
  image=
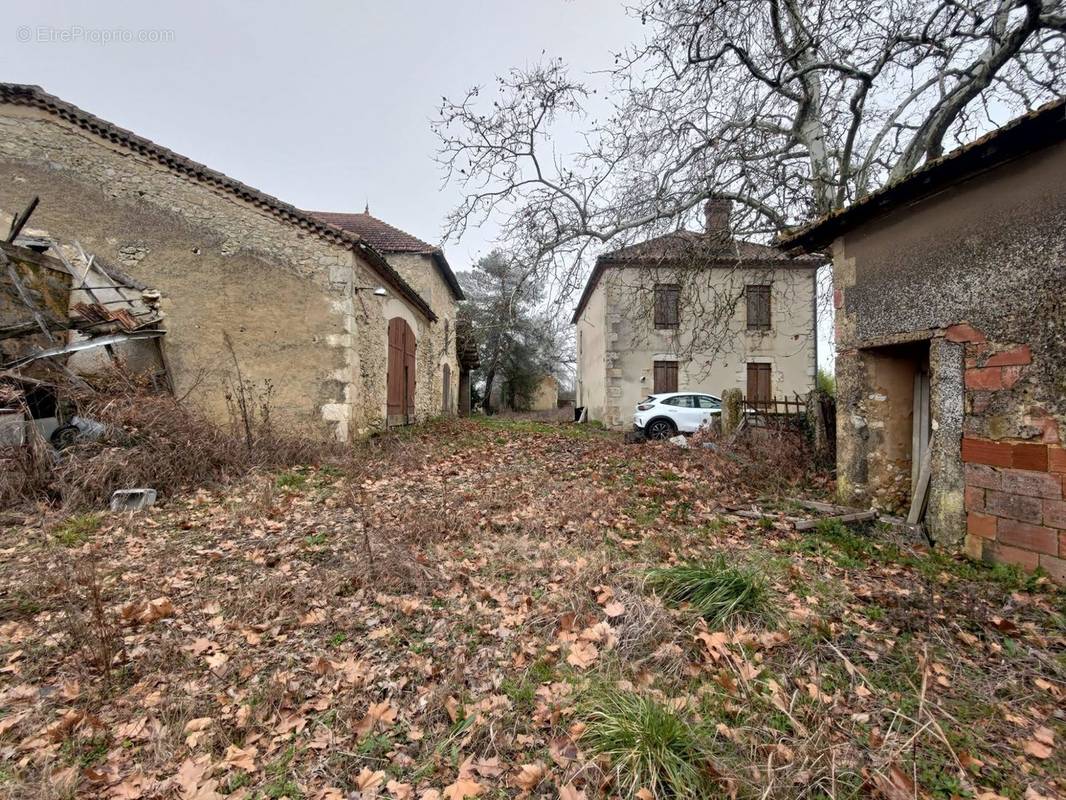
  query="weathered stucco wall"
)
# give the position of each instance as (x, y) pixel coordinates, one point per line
(633, 344)
(546, 397)
(979, 273)
(283, 295)
(437, 347)
(591, 337)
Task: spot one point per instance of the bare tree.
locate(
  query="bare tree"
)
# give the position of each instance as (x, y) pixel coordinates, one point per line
(791, 108)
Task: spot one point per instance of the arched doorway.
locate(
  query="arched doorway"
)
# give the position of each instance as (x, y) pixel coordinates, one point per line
(446, 392)
(401, 373)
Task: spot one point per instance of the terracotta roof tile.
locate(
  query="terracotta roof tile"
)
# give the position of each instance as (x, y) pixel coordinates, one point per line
(691, 249)
(390, 239)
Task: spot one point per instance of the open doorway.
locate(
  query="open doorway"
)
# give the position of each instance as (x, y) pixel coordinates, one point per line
(899, 426)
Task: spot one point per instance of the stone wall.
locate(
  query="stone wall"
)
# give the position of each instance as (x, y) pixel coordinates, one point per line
(713, 298)
(436, 348)
(975, 276)
(286, 298)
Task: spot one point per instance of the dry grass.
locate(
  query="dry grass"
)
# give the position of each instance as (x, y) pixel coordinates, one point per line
(478, 583)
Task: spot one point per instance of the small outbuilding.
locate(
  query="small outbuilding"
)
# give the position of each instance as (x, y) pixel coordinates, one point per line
(950, 295)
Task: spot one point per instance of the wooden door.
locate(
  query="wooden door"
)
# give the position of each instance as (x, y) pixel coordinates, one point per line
(401, 373)
(759, 385)
(665, 377)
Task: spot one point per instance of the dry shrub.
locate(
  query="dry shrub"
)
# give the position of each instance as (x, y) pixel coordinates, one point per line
(768, 459)
(153, 440)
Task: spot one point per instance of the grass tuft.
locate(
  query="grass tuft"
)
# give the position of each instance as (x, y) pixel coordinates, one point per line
(714, 589)
(647, 745)
(78, 529)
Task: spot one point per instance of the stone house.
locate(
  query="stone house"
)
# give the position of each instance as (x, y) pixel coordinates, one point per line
(950, 288)
(307, 306)
(425, 267)
(700, 311)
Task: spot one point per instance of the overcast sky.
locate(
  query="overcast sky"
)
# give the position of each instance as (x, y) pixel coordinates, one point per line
(325, 105)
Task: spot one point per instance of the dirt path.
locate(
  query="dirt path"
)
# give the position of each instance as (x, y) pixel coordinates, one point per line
(463, 611)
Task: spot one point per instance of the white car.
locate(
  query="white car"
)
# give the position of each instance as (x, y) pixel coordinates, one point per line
(661, 416)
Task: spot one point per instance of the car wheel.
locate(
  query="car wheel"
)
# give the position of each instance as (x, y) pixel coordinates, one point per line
(64, 436)
(661, 429)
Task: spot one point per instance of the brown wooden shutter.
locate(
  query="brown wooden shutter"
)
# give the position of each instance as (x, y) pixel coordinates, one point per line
(665, 377)
(758, 384)
(667, 300)
(400, 372)
(758, 308)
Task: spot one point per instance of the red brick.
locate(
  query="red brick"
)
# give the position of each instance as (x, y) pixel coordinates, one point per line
(1056, 459)
(984, 451)
(1030, 456)
(1014, 506)
(1029, 483)
(981, 476)
(1062, 544)
(1012, 555)
(963, 333)
(1055, 568)
(975, 498)
(1009, 376)
(1014, 357)
(981, 525)
(1055, 514)
(838, 298)
(990, 378)
(1029, 537)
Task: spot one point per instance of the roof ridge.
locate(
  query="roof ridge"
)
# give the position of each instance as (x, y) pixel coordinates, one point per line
(36, 97)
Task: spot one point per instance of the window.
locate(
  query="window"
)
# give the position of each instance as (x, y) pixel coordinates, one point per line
(667, 299)
(758, 385)
(665, 377)
(682, 401)
(758, 308)
(708, 403)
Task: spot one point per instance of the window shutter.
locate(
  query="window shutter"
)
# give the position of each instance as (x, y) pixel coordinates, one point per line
(758, 308)
(665, 377)
(667, 299)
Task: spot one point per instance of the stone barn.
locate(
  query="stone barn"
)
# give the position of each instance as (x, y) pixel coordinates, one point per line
(316, 316)
(950, 294)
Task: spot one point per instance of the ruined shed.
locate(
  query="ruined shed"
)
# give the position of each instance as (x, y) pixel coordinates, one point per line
(950, 294)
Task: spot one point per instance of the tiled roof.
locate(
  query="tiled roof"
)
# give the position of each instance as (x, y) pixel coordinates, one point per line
(691, 249)
(1025, 134)
(685, 245)
(389, 239)
(36, 97)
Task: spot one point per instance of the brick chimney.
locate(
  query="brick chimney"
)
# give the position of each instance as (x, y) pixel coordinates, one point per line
(716, 213)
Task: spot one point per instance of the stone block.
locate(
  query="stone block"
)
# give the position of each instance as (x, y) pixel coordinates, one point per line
(1054, 567)
(1025, 559)
(1029, 537)
(981, 525)
(1015, 506)
(1055, 514)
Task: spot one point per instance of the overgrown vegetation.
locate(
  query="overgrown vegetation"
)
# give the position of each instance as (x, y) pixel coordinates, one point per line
(154, 440)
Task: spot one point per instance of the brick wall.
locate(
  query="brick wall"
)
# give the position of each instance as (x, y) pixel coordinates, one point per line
(1015, 463)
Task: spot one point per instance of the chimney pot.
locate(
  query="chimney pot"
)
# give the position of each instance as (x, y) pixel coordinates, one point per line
(716, 213)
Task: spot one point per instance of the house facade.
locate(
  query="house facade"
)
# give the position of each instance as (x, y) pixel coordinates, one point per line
(950, 288)
(698, 311)
(312, 313)
(425, 267)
